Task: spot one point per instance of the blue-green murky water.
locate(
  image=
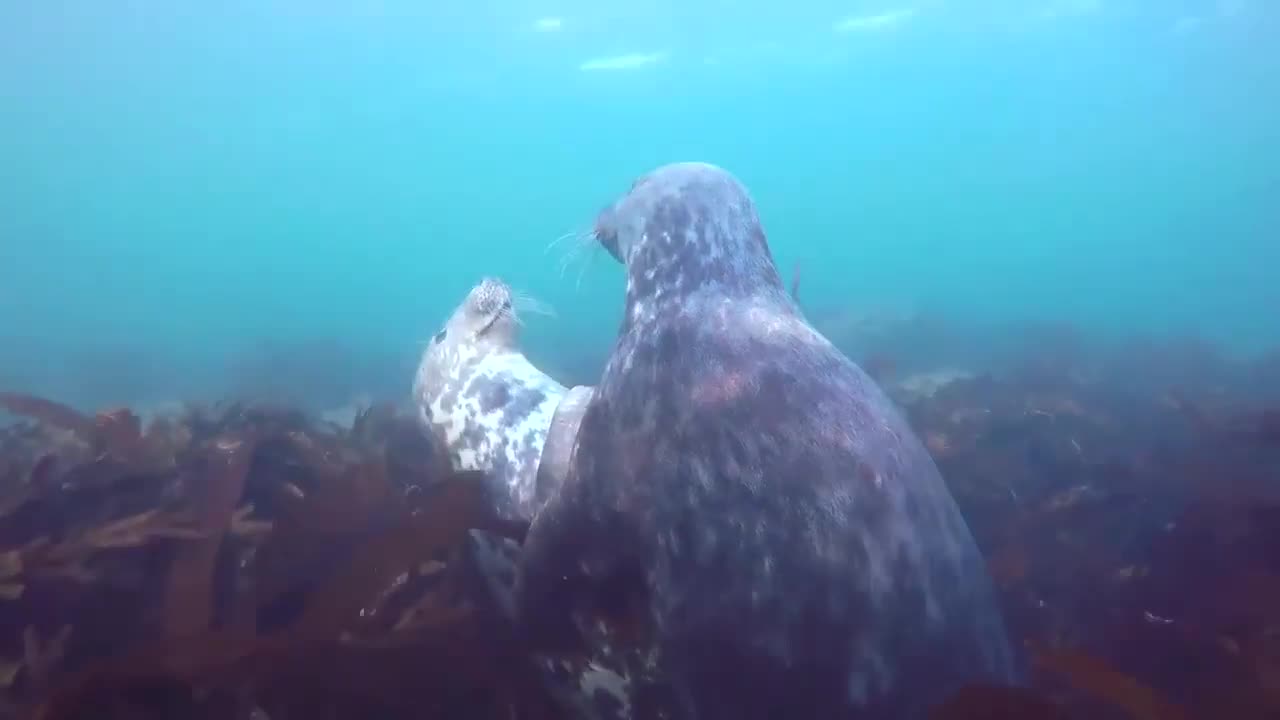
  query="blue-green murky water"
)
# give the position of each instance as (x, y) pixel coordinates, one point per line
(180, 179)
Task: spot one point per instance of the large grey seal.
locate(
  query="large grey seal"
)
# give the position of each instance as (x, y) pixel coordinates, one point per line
(495, 411)
(795, 548)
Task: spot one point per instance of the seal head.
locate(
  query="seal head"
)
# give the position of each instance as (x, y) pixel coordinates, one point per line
(795, 549)
(684, 228)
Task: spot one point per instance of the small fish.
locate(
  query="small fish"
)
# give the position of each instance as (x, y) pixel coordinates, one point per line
(795, 281)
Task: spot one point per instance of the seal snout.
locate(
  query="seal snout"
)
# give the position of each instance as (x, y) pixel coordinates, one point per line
(605, 231)
(491, 296)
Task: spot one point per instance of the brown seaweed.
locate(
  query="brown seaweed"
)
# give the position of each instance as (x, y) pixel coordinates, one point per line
(240, 544)
(245, 560)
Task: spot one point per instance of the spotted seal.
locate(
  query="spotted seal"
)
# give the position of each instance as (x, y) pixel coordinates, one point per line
(491, 408)
(794, 548)
(496, 412)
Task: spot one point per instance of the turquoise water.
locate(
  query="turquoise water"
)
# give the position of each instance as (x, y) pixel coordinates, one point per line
(180, 179)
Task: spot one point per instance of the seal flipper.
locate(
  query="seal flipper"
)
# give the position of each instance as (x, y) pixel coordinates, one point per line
(557, 449)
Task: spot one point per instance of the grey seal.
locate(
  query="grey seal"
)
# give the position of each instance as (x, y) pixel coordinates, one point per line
(486, 402)
(494, 411)
(794, 548)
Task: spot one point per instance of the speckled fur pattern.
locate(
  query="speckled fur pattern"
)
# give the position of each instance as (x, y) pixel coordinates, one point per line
(484, 400)
(795, 549)
(494, 410)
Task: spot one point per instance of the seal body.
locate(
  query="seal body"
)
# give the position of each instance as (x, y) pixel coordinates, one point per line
(498, 413)
(491, 407)
(794, 548)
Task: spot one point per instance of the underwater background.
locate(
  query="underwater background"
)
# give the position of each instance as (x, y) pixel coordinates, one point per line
(1048, 229)
(199, 199)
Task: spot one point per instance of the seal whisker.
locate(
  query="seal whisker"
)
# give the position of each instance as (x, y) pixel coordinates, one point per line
(523, 302)
(552, 245)
(563, 263)
(583, 241)
(592, 252)
(582, 270)
(573, 255)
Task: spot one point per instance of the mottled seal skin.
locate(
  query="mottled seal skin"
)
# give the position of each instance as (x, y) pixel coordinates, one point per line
(491, 407)
(796, 549)
(496, 412)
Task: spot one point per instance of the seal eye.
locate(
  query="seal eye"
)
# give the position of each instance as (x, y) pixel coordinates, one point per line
(439, 337)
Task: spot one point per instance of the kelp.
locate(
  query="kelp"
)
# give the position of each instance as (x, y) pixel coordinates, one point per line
(1132, 527)
(251, 561)
(239, 555)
